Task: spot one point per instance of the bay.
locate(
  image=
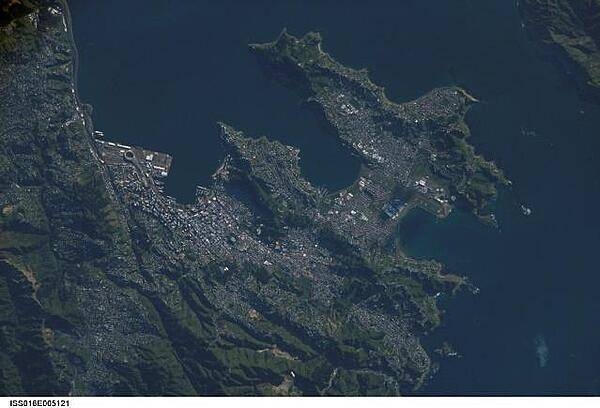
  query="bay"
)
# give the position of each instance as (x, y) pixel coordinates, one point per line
(161, 74)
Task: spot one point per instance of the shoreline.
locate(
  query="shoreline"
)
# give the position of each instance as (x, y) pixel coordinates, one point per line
(89, 125)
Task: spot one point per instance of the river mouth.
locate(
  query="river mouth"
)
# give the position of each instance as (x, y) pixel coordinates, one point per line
(164, 78)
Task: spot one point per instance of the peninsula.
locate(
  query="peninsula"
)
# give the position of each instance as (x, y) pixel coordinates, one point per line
(265, 284)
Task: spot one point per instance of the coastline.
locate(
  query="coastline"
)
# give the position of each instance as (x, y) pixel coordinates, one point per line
(86, 108)
(523, 94)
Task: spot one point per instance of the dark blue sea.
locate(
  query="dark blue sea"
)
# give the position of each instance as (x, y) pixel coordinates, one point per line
(161, 73)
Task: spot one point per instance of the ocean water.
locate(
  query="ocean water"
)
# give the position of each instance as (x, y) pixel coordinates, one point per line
(162, 73)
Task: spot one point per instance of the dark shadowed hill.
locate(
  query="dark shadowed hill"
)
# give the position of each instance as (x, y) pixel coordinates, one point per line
(570, 31)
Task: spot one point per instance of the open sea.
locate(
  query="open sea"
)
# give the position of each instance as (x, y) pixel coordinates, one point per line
(161, 73)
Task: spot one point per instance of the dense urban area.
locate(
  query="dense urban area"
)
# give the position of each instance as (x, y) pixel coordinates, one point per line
(265, 284)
